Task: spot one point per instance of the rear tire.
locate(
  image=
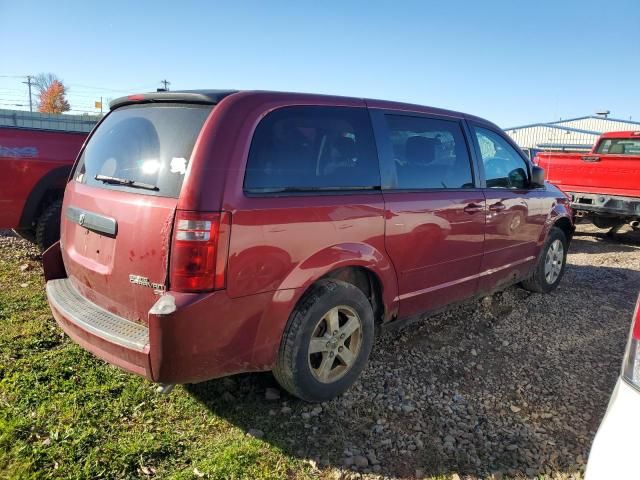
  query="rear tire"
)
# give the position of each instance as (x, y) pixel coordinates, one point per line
(551, 263)
(326, 343)
(28, 234)
(48, 225)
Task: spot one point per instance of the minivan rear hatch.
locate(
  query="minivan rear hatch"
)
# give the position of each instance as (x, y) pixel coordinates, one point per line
(120, 203)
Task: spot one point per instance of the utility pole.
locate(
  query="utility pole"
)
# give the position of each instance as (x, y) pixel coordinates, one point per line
(165, 84)
(28, 82)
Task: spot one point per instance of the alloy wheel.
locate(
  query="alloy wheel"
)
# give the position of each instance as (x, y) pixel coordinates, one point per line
(553, 261)
(335, 344)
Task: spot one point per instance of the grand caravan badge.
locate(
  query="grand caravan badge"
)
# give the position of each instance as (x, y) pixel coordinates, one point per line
(158, 288)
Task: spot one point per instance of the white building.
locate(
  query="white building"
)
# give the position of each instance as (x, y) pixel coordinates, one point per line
(571, 134)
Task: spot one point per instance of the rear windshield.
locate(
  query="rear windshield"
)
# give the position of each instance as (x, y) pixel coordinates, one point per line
(142, 148)
(619, 146)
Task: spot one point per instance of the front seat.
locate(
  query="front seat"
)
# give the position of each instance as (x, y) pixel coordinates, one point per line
(617, 149)
(419, 170)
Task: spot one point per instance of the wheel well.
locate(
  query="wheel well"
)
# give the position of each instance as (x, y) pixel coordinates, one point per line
(48, 198)
(37, 209)
(565, 225)
(48, 189)
(365, 280)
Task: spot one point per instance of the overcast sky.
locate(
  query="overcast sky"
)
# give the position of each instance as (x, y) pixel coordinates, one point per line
(511, 62)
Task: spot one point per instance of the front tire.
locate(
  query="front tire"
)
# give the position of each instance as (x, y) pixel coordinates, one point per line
(551, 264)
(326, 343)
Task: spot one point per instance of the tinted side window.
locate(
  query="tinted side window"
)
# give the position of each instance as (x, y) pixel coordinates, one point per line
(503, 166)
(619, 146)
(307, 148)
(429, 153)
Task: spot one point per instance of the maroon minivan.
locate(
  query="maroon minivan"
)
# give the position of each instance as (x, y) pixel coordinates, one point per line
(207, 233)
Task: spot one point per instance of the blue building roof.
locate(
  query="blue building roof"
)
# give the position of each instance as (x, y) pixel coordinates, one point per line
(559, 127)
(554, 124)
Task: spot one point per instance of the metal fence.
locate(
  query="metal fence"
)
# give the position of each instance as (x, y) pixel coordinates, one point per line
(47, 121)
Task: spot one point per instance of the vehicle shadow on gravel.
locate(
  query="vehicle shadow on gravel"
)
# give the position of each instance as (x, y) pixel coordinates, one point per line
(591, 240)
(515, 384)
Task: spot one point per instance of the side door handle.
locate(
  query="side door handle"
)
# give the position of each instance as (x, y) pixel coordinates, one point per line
(473, 208)
(497, 207)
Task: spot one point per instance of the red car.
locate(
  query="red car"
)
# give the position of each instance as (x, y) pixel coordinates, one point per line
(36, 164)
(208, 233)
(604, 185)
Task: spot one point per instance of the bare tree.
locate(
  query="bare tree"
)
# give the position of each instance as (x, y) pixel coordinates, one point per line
(43, 81)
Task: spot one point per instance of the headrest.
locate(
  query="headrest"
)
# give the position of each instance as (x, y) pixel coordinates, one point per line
(346, 147)
(420, 149)
(617, 148)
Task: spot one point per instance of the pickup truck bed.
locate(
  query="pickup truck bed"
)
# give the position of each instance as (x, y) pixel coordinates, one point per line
(604, 184)
(35, 165)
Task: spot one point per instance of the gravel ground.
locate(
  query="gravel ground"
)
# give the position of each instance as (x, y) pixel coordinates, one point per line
(513, 386)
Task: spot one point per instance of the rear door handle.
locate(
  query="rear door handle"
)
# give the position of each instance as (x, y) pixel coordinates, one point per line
(473, 208)
(497, 207)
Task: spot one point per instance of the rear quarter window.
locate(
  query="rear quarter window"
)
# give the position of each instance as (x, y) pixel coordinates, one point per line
(619, 146)
(313, 149)
(148, 146)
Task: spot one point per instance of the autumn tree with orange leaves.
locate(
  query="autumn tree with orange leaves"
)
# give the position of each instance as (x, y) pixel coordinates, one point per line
(51, 94)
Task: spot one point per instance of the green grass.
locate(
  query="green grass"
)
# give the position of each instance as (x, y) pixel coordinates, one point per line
(65, 414)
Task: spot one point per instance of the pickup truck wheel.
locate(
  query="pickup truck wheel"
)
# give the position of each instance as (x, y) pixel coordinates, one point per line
(48, 225)
(326, 343)
(606, 222)
(551, 263)
(28, 234)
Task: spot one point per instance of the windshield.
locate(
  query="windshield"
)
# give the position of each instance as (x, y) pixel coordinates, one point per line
(619, 146)
(142, 148)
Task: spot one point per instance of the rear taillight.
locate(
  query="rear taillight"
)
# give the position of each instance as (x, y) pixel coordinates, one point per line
(199, 251)
(631, 363)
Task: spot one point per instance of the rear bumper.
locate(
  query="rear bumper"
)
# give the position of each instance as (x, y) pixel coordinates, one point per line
(189, 337)
(614, 450)
(112, 338)
(608, 205)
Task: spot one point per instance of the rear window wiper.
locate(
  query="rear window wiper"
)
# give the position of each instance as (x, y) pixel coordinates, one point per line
(125, 181)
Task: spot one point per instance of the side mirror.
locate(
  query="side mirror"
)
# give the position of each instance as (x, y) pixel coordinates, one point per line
(537, 177)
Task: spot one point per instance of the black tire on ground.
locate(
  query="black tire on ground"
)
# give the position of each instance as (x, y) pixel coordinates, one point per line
(28, 234)
(48, 225)
(606, 222)
(539, 281)
(294, 368)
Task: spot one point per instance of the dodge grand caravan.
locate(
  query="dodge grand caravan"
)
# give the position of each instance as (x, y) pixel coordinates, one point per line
(207, 233)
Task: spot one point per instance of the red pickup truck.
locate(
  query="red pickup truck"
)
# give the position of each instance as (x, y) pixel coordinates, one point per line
(35, 163)
(604, 184)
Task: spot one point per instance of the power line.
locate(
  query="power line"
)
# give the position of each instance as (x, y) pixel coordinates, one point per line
(108, 89)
